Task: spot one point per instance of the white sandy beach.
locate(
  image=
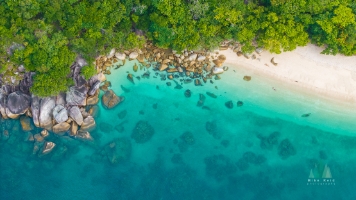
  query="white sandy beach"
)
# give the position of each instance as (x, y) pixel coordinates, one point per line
(305, 67)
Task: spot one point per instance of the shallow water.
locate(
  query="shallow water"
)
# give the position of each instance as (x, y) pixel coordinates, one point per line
(226, 154)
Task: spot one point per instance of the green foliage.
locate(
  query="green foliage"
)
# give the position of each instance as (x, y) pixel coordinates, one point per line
(46, 35)
(88, 71)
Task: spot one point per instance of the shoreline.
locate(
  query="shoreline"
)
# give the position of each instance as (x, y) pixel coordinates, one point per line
(300, 69)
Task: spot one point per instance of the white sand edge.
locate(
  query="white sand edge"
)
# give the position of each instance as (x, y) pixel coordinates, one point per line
(305, 67)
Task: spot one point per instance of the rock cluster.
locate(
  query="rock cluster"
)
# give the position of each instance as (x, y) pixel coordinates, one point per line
(65, 114)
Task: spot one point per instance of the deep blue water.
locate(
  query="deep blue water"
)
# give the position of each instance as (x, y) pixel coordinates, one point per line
(261, 150)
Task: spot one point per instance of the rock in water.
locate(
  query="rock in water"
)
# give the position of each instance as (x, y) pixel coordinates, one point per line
(188, 138)
(26, 123)
(48, 147)
(178, 86)
(286, 149)
(124, 89)
(45, 117)
(76, 96)
(135, 67)
(18, 102)
(61, 127)
(60, 114)
(197, 82)
(247, 78)
(154, 106)
(306, 115)
(240, 103)
(130, 78)
(118, 150)
(229, 104)
(88, 124)
(142, 132)
(212, 95)
(168, 83)
(122, 114)
(110, 99)
(187, 93)
(106, 127)
(76, 115)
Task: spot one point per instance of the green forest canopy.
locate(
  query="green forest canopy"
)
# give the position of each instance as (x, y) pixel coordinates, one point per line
(50, 33)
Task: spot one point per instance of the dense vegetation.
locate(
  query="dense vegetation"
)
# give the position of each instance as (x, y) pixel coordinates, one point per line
(46, 35)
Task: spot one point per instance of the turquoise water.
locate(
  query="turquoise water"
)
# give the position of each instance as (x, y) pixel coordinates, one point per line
(194, 153)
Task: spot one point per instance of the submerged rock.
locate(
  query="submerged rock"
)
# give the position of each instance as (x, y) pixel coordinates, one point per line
(130, 78)
(286, 149)
(106, 127)
(119, 128)
(212, 129)
(188, 138)
(122, 114)
(219, 167)
(247, 78)
(229, 104)
(212, 95)
(187, 93)
(270, 141)
(240, 103)
(142, 132)
(118, 150)
(110, 99)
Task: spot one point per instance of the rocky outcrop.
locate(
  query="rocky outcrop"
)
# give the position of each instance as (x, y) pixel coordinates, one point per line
(110, 99)
(76, 96)
(76, 115)
(118, 150)
(18, 102)
(46, 108)
(60, 114)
